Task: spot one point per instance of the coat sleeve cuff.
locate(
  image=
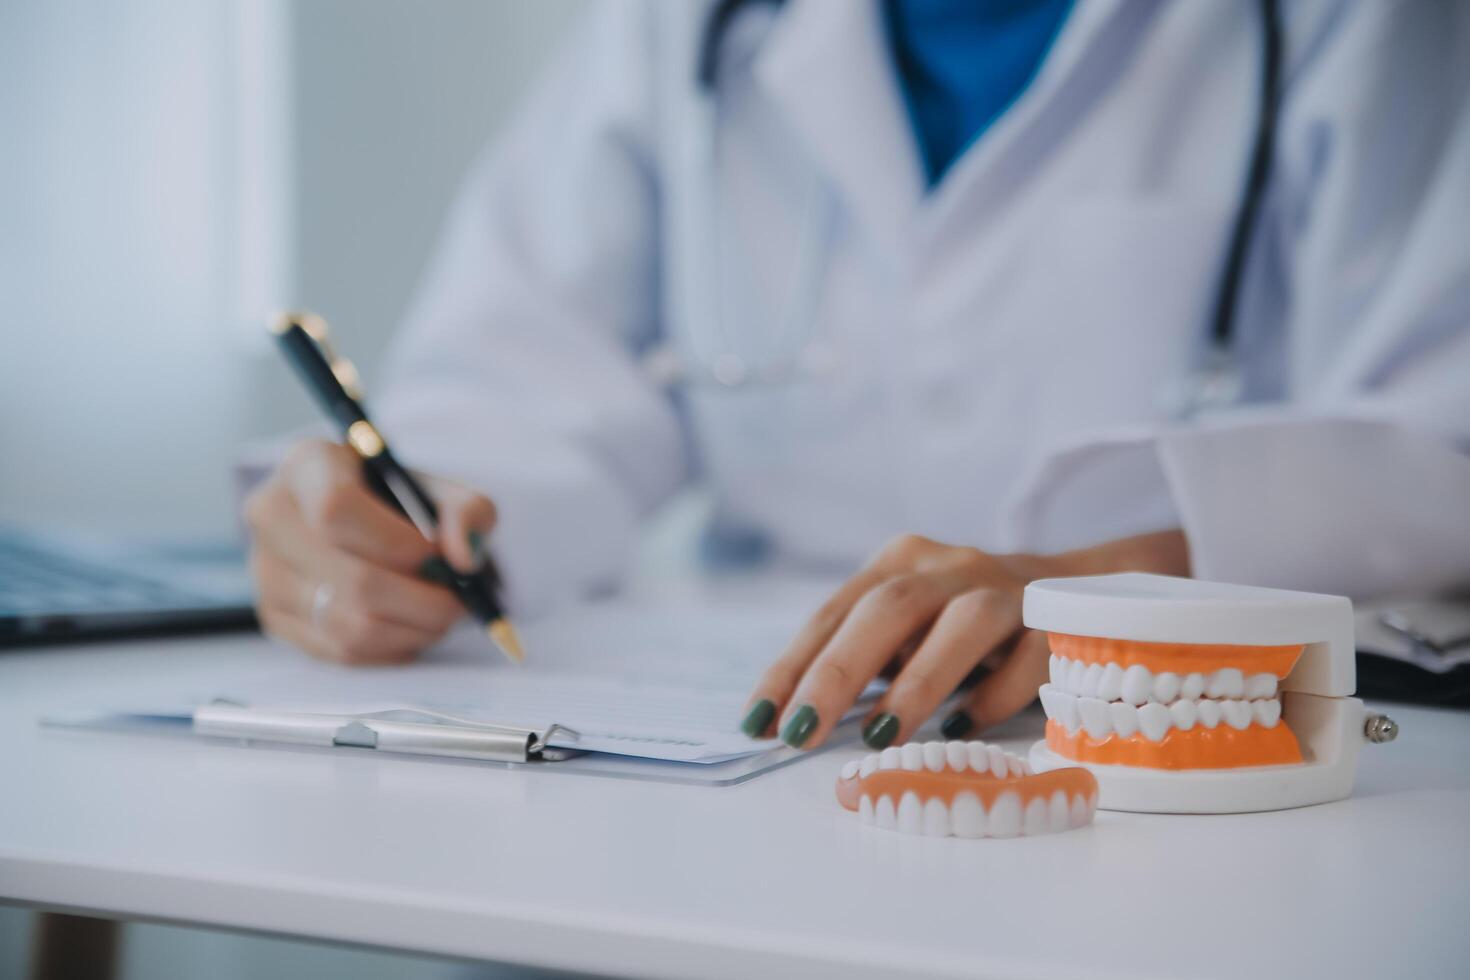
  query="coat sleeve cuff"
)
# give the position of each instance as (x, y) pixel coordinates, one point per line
(1347, 506)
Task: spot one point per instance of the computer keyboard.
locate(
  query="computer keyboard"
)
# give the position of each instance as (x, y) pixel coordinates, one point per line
(37, 580)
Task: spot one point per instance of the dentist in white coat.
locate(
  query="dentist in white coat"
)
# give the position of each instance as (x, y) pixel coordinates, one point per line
(1011, 369)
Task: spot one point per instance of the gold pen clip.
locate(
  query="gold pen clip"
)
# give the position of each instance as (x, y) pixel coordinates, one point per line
(315, 327)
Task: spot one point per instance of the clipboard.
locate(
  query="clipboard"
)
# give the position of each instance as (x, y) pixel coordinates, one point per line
(412, 731)
(422, 736)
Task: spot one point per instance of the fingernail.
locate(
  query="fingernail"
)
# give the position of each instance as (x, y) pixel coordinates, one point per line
(800, 727)
(881, 730)
(435, 569)
(759, 718)
(476, 541)
(957, 725)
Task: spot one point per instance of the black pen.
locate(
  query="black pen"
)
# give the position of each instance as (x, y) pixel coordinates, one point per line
(332, 380)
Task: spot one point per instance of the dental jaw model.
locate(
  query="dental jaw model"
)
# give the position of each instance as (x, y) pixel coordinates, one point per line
(1184, 696)
(964, 789)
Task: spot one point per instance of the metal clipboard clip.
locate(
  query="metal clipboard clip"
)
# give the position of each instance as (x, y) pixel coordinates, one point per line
(408, 730)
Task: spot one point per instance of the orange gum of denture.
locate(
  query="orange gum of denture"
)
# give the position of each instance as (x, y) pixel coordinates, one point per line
(1181, 658)
(1221, 747)
(947, 784)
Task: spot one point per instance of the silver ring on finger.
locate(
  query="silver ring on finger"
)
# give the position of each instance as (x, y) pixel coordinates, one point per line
(321, 600)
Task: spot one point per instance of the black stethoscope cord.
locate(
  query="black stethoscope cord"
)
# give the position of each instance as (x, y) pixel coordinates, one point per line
(1258, 176)
(1247, 217)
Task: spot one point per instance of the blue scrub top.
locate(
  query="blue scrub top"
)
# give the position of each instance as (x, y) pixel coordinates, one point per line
(962, 63)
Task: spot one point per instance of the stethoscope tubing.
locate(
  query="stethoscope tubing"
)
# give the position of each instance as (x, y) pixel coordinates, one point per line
(1217, 376)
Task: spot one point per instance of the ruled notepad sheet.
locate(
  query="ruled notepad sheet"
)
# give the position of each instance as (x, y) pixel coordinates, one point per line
(656, 681)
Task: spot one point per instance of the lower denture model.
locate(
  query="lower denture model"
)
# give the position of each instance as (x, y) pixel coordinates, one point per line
(1183, 696)
(964, 789)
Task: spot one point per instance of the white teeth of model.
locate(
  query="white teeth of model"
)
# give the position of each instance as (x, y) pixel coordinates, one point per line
(1154, 721)
(1081, 812)
(1059, 705)
(910, 814)
(1166, 686)
(1067, 712)
(936, 818)
(850, 769)
(1005, 816)
(1070, 716)
(1237, 714)
(998, 766)
(956, 756)
(1094, 714)
(1227, 682)
(1054, 701)
(1075, 672)
(1192, 686)
(1060, 812)
(1017, 766)
(1186, 699)
(1110, 686)
(913, 756)
(1138, 683)
(1048, 700)
(869, 765)
(883, 813)
(1058, 667)
(890, 758)
(934, 756)
(865, 809)
(1209, 712)
(1124, 718)
(1260, 686)
(1090, 678)
(967, 816)
(1267, 713)
(1183, 714)
(979, 758)
(1036, 816)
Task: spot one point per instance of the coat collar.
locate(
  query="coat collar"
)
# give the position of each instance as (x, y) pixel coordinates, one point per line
(1094, 48)
(828, 69)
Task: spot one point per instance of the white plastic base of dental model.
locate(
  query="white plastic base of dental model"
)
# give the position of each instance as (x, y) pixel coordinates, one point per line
(1329, 730)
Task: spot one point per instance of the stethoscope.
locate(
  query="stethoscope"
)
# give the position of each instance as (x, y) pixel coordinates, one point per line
(726, 359)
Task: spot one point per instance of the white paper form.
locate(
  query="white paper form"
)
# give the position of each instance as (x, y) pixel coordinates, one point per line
(652, 680)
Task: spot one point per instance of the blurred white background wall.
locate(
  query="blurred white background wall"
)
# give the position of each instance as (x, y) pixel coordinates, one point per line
(172, 169)
(169, 169)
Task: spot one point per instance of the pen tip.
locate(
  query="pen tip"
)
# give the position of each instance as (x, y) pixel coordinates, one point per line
(504, 636)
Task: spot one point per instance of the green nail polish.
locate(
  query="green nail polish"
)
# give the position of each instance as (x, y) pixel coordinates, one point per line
(957, 725)
(476, 541)
(881, 731)
(435, 569)
(800, 727)
(759, 718)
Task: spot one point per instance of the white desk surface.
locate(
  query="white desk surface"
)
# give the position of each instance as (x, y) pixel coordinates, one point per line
(769, 878)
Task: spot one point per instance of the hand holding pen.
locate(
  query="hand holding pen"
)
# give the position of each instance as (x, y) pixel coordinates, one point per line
(356, 559)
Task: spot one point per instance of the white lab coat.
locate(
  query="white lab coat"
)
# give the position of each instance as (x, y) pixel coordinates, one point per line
(1008, 344)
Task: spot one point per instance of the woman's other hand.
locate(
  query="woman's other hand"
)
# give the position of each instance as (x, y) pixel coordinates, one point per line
(930, 613)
